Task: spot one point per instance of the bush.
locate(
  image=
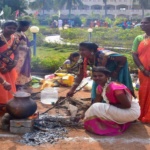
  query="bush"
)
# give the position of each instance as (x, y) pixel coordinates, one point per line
(45, 30)
(106, 37)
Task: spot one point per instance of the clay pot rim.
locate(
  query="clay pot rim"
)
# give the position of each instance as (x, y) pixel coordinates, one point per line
(22, 96)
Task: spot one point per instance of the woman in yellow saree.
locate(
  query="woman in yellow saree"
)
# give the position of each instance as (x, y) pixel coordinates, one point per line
(70, 65)
(8, 59)
(141, 57)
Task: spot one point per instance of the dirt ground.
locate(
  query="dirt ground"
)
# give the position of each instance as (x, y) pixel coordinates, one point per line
(137, 137)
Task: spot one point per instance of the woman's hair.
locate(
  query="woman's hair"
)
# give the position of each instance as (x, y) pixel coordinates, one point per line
(24, 23)
(101, 69)
(147, 18)
(8, 23)
(90, 46)
(72, 55)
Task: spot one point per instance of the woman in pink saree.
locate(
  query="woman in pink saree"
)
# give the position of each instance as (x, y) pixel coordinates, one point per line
(114, 108)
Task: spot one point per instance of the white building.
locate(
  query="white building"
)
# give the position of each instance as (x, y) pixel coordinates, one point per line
(125, 8)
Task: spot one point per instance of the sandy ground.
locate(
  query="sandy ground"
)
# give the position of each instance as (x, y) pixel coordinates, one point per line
(137, 137)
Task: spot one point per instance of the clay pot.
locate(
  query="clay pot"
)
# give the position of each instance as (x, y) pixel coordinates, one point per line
(21, 106)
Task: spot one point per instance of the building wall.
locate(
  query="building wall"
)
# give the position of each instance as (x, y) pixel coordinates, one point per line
(115, 8)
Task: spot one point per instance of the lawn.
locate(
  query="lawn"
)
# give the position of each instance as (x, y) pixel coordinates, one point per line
(48, 59)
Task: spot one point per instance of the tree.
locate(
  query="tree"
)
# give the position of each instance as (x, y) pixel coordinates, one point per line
(42, 4)
(20, 5)
(69, 4)
(144, 5)
(105, 6)
(7, 12)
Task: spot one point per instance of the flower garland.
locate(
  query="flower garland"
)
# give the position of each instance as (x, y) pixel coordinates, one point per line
(85, 67)
(104, 92)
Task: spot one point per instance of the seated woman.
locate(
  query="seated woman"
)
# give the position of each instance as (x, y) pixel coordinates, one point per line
(70, 65)
(114, 107)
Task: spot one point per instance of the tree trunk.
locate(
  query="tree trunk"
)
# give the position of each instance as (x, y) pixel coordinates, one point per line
(105, 10)
(43, 6)
(142, 12)
(69, 15)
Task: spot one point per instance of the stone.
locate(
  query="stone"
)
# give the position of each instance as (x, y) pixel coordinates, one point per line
(21, 126)
(20, 130)
(21, 123)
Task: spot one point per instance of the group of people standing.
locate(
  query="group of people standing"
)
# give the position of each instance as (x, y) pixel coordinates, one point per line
(14, 58)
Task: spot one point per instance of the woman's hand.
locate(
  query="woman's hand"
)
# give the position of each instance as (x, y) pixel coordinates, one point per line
(4, 70)
(10, 67)
(70, 93)
(7, 86)
(122, 98)
(32, 43)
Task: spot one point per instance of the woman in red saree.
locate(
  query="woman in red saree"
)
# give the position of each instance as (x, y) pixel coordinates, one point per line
(141, 57)
(114, 107)
(8, 59)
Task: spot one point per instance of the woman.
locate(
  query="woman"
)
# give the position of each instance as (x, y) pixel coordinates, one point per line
(71, 64)
(115, 115)
(23, 66)
(113, 61)
(141, 55)
(8, 58)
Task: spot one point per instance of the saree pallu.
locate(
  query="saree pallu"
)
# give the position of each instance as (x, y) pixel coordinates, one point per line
(23, 66)
(144, 91)
(10, 77)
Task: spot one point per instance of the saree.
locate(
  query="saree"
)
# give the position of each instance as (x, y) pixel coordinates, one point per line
(105, 118)
(142, 47)
(102, 59)
(7, 55)
(23, 66)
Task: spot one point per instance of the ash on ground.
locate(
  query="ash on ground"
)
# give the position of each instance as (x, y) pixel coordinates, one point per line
(48, 129)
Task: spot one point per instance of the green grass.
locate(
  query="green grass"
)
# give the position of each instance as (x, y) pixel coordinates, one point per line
(49, 59)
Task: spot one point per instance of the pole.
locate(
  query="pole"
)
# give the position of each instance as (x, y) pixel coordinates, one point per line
(34, 46)
(90, 35)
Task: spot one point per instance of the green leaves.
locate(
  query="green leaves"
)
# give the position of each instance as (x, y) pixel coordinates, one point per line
(20, 5)
(7, 12)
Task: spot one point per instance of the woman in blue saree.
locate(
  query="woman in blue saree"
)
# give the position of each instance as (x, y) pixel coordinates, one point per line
(93, 56)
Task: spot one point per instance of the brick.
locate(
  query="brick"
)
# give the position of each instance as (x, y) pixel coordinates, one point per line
(21, 123)
(20, 130)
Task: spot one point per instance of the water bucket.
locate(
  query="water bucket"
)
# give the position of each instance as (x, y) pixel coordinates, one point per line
(49, 95)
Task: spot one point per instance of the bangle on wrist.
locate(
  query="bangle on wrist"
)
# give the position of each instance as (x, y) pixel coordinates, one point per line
(141, 68)
(3, 82)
